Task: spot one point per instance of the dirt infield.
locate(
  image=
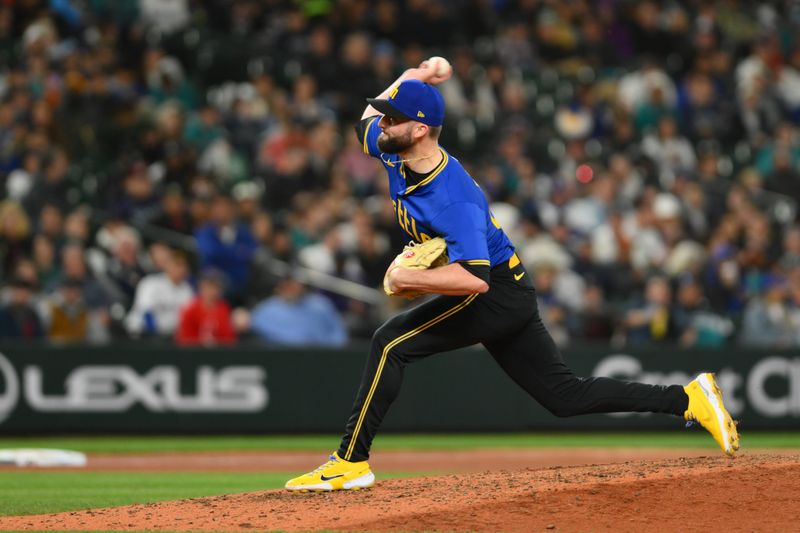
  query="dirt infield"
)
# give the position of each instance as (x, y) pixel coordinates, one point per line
(754, 492)
(389, 461)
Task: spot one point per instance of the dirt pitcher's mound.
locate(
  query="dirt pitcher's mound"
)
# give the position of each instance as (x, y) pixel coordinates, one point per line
(758, 492)
(417, 461)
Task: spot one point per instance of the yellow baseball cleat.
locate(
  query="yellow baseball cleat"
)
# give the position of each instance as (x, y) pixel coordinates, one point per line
(336, 474)
(706, 408)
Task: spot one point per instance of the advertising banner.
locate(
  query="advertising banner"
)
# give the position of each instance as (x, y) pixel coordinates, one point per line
(141, 388)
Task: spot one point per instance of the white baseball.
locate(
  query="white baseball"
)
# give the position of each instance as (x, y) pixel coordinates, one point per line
(440, 65)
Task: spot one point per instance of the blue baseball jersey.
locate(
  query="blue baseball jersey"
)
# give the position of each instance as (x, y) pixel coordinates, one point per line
(446, 203)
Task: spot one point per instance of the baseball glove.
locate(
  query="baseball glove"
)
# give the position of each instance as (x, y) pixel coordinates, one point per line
(418, 256)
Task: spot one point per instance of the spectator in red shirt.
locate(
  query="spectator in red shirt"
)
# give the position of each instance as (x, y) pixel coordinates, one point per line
(206, 319)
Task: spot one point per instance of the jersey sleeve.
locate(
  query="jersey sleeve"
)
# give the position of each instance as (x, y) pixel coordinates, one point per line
(463, 226)
(479, 271)
(367, 131)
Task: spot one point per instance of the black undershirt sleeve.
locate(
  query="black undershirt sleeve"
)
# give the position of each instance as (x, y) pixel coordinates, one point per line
(479, 271)
(361, 128)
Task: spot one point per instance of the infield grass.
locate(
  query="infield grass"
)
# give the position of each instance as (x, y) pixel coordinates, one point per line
(36, 492)
(692, 438)
(39, 492)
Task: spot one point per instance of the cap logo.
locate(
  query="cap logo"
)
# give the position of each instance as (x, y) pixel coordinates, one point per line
(420, 114)
(393, 92)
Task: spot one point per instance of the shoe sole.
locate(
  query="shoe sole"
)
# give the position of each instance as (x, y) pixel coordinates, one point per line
(712, 391)
(362, 482)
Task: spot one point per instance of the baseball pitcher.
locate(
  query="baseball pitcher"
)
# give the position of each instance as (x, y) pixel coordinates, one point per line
(461, 254)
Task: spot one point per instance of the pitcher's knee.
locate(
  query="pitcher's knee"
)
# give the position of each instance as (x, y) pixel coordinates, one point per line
(384, 335)
(565, 399)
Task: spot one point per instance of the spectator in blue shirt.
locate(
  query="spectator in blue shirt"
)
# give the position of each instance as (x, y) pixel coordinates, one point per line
(227, 245)
(296, 317)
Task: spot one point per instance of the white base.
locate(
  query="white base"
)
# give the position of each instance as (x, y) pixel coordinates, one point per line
(41, 457)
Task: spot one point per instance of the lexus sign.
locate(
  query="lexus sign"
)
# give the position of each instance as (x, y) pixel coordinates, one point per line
(118, 388)
(9, 385)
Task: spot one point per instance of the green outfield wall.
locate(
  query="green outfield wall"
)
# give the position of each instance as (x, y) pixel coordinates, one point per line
(142, 388)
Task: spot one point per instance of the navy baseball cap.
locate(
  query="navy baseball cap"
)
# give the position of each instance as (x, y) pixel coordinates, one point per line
(414, 100)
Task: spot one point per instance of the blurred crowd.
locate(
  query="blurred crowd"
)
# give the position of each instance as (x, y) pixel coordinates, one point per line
(168, 167)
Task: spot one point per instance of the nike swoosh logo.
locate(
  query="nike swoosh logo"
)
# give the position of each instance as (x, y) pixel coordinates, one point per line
(519, 277)
(326, 478)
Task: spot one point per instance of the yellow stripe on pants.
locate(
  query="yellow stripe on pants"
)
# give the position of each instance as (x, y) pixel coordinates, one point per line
(385, 352)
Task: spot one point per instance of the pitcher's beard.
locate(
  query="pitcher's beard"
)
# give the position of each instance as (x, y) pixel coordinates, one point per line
(394, 145)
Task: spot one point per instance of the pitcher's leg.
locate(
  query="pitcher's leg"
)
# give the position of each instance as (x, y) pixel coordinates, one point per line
(533, 361)
(439, 325)
(380, 385)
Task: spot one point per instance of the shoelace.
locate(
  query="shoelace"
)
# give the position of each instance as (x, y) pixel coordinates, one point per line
(331, 461)
(691, 420)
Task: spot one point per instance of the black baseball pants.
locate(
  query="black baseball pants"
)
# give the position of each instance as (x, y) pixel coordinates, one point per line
(506, 321)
